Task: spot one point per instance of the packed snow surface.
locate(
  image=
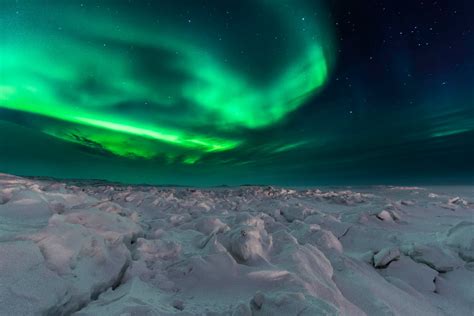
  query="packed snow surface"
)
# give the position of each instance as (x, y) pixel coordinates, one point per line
(95, 248)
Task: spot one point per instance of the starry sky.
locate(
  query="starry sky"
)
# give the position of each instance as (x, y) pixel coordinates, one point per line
(210, 92)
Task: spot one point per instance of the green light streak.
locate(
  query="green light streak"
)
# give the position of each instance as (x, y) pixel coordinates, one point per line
(289, 147)
(450, 132)
(129, 130)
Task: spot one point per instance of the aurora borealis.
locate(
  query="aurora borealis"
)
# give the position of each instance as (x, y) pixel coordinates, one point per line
(184, 75)
(229, 92)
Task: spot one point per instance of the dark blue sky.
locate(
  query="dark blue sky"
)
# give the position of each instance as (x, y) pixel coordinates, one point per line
(394, 102)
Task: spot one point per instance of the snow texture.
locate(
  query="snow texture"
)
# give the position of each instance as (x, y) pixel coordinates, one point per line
(95, 248)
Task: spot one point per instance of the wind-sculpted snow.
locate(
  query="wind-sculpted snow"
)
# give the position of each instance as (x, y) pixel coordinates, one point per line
(94, 248)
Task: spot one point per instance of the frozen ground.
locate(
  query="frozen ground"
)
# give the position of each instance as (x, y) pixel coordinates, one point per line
(102, 249)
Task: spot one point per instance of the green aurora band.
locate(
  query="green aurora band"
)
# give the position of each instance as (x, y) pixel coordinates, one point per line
(135, 87)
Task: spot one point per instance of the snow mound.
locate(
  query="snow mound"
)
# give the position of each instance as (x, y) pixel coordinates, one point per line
(461, 238)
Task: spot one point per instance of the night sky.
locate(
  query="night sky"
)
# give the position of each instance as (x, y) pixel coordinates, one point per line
(217, 92)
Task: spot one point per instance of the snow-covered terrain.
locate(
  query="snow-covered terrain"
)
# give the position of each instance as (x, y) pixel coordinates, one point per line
(101, 249)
